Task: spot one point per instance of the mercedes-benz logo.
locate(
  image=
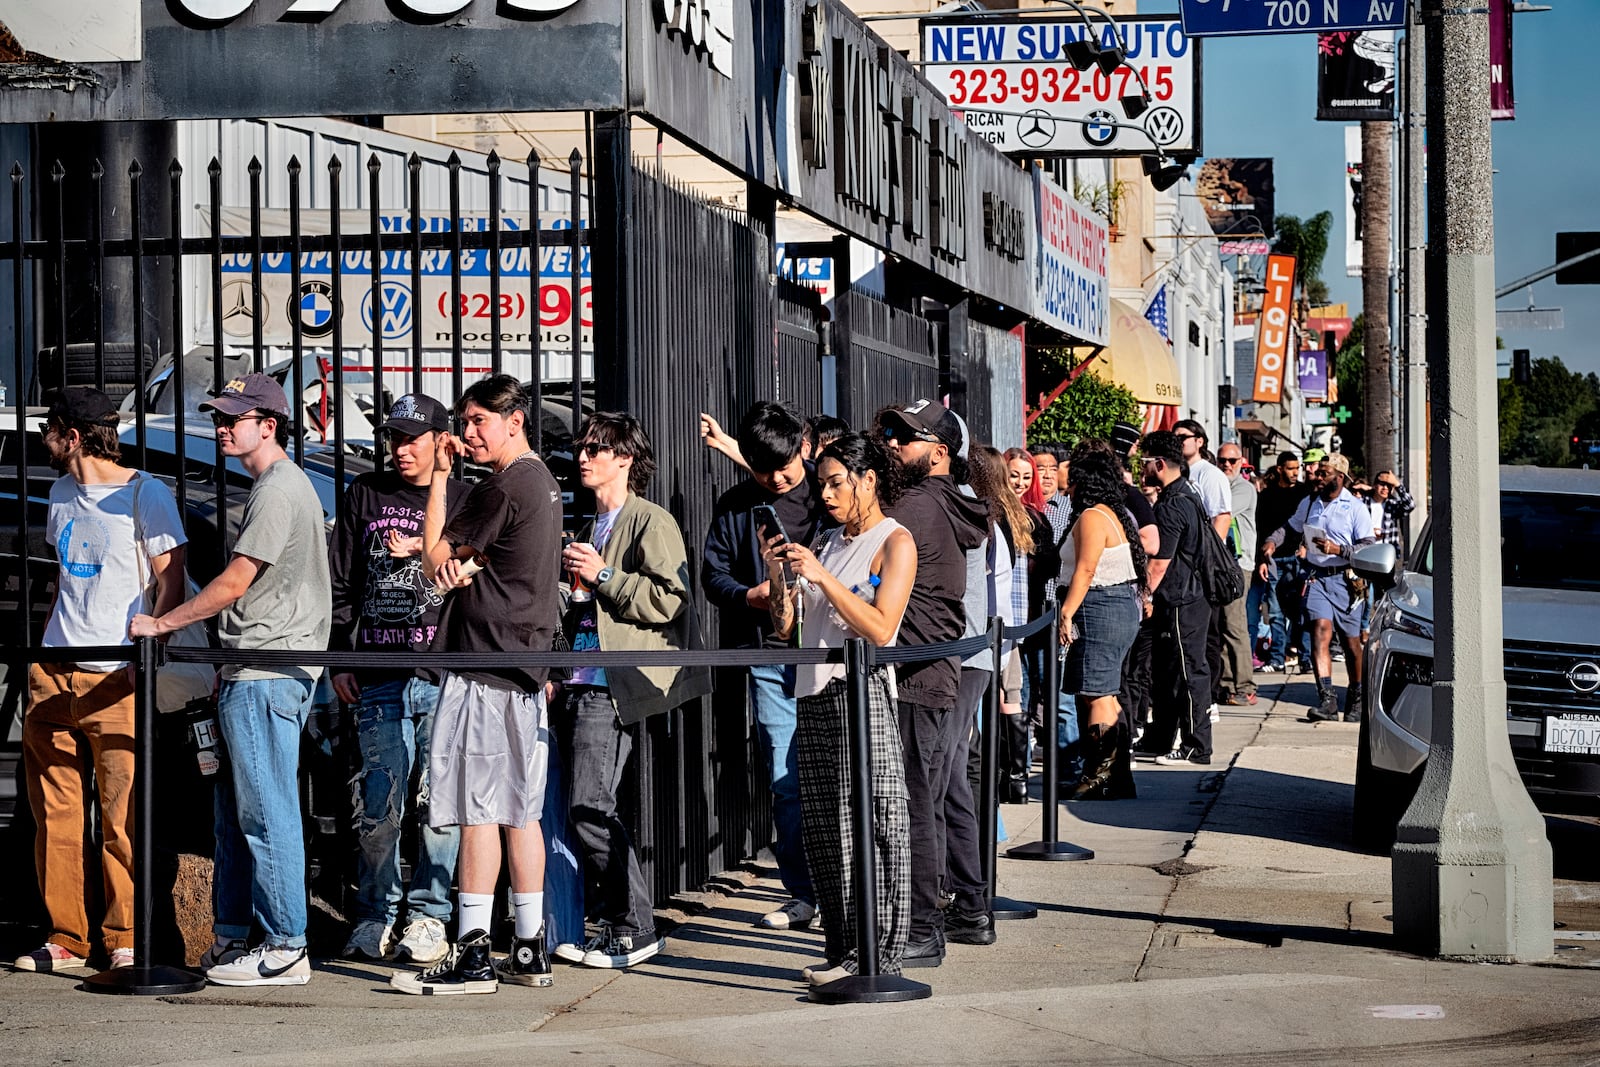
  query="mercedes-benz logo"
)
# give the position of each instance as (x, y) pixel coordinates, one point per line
(1164, 125)
(1036, 128)
(238, 311)
(1584, 677)
(1100, 128)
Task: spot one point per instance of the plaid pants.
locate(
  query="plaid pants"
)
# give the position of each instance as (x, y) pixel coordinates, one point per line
(822, 737)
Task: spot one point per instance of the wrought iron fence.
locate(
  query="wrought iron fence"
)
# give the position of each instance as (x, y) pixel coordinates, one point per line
(887, 356)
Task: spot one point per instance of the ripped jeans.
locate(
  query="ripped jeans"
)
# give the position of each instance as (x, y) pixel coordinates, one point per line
(395, 720)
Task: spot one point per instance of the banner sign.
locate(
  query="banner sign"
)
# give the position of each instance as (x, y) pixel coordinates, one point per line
(1253, 247)
(1352, 201)
(1272, 330)
(1072, 285)
(398, 308)
(1355, 76)
(1238, 195)
(1242, 18)
(1312, 373)
(1502, 99)
(1017, 90)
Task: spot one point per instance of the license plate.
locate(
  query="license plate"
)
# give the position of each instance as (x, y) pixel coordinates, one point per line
(1577, 735)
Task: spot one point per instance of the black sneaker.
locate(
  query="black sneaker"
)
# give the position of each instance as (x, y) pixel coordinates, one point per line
(528, 964)
(466, 969)
(1327, 709)
(968, 928)
(928, 952)
(1180, 756)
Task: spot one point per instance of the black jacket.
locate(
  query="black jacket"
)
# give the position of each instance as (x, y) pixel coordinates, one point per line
(731, 563)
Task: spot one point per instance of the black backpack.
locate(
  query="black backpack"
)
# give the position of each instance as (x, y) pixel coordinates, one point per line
(1221, 577)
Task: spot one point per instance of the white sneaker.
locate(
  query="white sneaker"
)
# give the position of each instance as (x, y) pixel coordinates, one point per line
(425, 941)
(264, 966)
(794, 915)
(621, 952)
(120, 958)
(574, 953)
(1216, 714)
(372, 939)
(223, 950)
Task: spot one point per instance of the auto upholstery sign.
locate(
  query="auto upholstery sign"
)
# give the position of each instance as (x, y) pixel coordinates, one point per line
(1016, 89)
(400, 308)
(1072, 288)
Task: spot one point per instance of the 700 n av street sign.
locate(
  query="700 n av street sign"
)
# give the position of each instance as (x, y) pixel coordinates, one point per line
(1241, 18)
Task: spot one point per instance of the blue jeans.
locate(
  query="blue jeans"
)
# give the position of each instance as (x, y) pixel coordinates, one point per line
(1262, 595)
(394, 721)
(772, 698)
(1290, 587)
(261, 854)
(1070, 765)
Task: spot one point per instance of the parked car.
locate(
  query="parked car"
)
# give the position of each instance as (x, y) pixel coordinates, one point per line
(1549, 532)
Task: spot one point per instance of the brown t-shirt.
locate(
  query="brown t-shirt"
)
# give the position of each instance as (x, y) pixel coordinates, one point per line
(513, 520)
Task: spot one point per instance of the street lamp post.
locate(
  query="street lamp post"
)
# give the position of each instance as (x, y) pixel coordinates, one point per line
(1471, 866)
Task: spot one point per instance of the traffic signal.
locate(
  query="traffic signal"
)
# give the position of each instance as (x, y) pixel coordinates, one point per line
(1521, 367)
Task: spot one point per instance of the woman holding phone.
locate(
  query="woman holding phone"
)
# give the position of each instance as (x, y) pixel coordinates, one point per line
(854, 584)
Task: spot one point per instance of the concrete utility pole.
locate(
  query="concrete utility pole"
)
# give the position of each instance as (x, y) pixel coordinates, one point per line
(1377, 214)
(1471, 865)
(1414, 355)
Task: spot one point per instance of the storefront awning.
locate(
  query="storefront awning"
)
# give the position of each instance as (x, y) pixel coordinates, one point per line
(1139, 358)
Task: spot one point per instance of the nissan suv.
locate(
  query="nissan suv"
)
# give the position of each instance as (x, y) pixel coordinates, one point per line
(1550, 565)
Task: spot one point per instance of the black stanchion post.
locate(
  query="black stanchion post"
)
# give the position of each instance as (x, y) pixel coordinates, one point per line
(989, 802)
(1049, 847)
(867, 986)
(144, 979)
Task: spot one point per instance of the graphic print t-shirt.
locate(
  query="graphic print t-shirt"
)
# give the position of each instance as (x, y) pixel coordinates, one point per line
(582, 620)
(93, 530)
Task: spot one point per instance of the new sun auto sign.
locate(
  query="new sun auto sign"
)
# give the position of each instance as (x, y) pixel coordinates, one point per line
(180, 59)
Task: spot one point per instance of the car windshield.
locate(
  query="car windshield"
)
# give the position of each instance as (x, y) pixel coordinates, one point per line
(1547, 541)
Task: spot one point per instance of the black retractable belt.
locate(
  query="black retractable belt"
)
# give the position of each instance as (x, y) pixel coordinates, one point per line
(1049, 846)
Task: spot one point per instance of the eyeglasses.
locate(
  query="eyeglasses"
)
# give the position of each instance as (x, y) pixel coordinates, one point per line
(593, 448)
(224, 422)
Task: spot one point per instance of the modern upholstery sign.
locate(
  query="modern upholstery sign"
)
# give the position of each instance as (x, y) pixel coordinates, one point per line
(1072, 289)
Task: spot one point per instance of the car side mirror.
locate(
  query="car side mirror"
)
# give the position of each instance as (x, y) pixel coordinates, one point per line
(1378, 563)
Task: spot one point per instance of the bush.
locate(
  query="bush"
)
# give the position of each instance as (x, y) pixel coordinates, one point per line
(1089, 407)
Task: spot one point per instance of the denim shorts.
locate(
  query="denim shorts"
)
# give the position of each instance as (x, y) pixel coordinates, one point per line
(1107, 623)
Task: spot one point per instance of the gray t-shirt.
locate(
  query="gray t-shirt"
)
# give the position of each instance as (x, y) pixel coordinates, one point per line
(288, 605)
(1244, 520)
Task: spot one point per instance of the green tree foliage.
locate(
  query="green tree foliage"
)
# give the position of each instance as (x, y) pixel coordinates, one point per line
(1538, 420)
(1307, 241)
(1349, 370)
(1089, 407)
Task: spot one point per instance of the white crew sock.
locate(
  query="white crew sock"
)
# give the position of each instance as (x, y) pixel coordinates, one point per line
(530, 913)
(475, 913)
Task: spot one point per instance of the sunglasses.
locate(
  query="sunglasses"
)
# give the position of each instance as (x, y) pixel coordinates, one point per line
(906, 433)
(223, 422)
(593, 448)
(1228, 461)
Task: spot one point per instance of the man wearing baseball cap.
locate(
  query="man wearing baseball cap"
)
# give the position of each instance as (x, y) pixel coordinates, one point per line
(273, 594)
(1334, 523)
(382, 602)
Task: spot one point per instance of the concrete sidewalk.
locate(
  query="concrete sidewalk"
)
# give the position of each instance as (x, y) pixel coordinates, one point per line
(1224, 919)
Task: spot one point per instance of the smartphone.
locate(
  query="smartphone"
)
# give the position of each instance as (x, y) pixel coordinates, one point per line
(768, 524)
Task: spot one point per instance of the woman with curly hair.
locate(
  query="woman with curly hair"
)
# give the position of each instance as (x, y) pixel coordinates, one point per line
(854, 583)
(1102, 587)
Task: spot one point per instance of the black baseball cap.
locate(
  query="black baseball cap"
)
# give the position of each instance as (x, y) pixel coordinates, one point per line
(80, 405)
(1124, 438)
(415, 414)
(929, 420)
(251, 392)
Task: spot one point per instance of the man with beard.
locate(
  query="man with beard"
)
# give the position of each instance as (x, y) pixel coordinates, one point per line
(1334, 523)
(924, 438)
(112, 527)
(1281, 584)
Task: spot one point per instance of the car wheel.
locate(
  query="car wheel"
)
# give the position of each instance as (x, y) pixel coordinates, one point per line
(1381, 798)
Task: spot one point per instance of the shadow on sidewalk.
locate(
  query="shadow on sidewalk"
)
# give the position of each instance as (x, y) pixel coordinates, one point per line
(1261, 933)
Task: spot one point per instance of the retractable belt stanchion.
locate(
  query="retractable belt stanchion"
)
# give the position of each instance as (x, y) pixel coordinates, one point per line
(989, 800)
(1049, 847)
(144, 979)
(867, 986)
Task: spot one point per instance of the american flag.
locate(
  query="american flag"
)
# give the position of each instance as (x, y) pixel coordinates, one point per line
(1157, 314)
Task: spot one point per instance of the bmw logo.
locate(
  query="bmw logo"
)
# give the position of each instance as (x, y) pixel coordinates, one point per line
(1584, 677)
(314, 309)
(1100, 129)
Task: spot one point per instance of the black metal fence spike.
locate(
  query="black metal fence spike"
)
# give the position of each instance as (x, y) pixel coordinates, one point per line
(214, 168)
(575, 158)
(175, 169)
(334, 166)
(294, 166)
(135, 169)
(58, 172)
(255, 167)
(453, 162)
(374, 164)
(97, 170)
(493, 159)
(414, 162)
(16, 170)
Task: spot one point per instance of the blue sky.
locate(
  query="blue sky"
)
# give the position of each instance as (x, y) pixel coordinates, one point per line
(1548, 157)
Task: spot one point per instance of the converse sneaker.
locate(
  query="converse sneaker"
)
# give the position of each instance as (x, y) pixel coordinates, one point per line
(424, 941)
(528, 964)
(794, 915)
(624, 951)
(1180, 756)
(465, 969)
(223, 950)
(371, 939)
(575, 952)
(50, 958)
(264, 966)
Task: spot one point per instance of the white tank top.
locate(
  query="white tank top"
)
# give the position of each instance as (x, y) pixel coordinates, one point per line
(849, 559)
(1116, 562)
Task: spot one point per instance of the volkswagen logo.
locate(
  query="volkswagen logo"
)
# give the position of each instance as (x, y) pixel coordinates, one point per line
(1036, 128)
(394, 313)
(1584, 677)
(1164, 125)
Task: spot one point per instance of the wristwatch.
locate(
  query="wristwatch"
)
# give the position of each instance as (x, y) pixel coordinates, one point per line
(605, 575)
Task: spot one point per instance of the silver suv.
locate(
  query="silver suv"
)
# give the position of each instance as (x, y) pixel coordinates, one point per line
(1550, 561)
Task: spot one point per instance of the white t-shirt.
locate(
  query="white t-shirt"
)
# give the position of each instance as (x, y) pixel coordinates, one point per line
(1212, 485)
(99, 589)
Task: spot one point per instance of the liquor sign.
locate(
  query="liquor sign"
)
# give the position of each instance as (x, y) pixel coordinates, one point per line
(1015, 88)
(1502, 97)
(1238, 195)
(1355, 76)
(1072, 287)
(1243, 18)
(1272, 330)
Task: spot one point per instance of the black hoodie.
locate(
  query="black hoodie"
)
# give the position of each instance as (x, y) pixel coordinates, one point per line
(946, 525)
